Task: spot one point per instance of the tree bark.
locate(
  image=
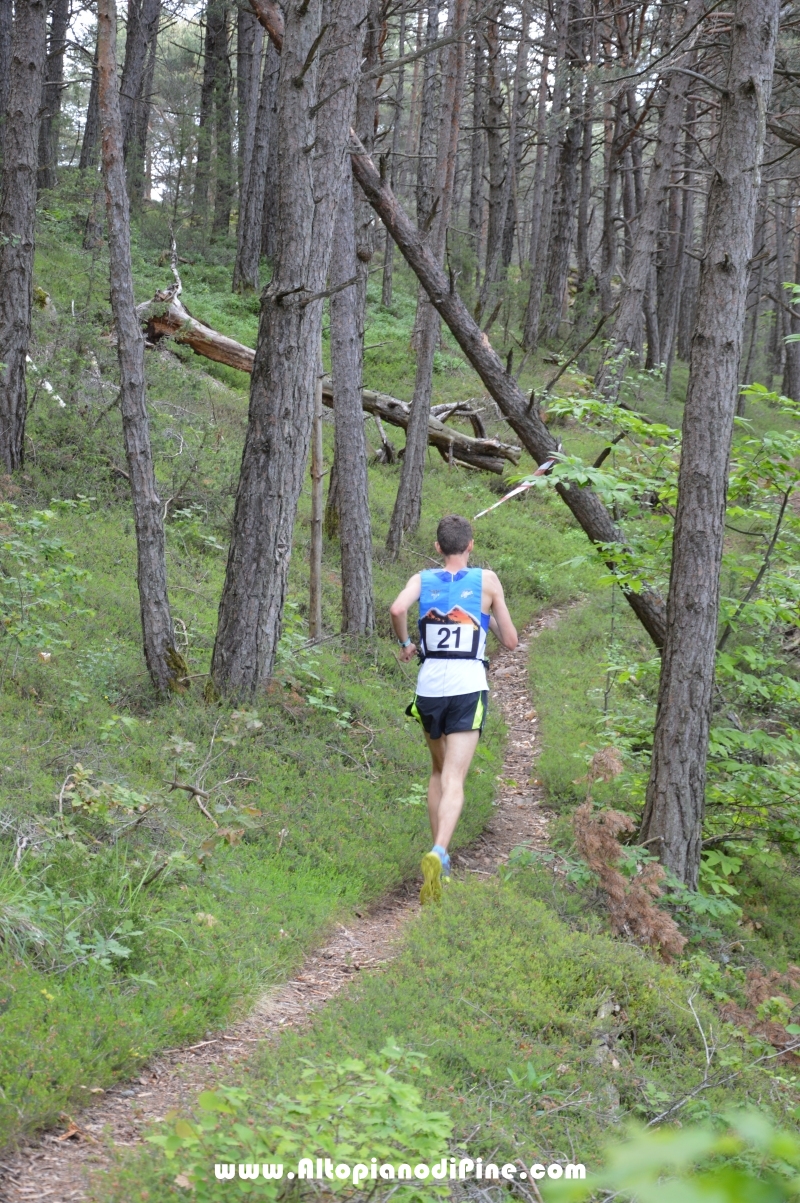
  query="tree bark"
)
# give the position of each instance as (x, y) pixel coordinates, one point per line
(91, 130)
(165, 665)
(136, 161)
(286, 359)
(251, 201)
(354, 243)
(18, 221)
(477, 157)
(672, 823)
(539, 257)
(563, 218)
(6, 41)
(51, 96)
(215, 48)
(637, 295)
(225, 173)
(388, 251)
(352, 491)
(434, 211)
(249, 45)
(143, 19)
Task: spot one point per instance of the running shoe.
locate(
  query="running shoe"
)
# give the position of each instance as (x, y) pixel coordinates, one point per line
(446, 868)
(431, 879)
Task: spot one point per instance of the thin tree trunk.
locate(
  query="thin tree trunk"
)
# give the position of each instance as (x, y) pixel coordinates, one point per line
(6, 41)
(791, 369)
(354, 242)
(51, 96)
(675, 273)
(388, 251)
(672, 822)
(436, 210)
(352, 488)
(215, 45)
(584, 200)
(167, 669)
(495, 122)
(537, 192)
(608, 242)
(638, 287)
(533, 312)
(287, 352)
(249, 46)
(18, 222)
(143, 18)
(477, 157)
(225, 174)
(91, 130)
(136, 155)
(251, 201)
(563, 217)
(317, 513)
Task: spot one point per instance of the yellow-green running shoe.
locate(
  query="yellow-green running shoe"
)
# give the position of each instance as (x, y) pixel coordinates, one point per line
(431, 879)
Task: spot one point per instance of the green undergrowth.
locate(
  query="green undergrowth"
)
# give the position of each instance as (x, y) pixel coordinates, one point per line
(542, 1036)
(128, 921)
(748, 913)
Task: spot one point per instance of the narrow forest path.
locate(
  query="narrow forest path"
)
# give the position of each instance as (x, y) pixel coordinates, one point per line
(58, 1166)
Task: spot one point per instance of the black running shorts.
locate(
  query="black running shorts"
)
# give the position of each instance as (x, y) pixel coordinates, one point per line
(445, 716)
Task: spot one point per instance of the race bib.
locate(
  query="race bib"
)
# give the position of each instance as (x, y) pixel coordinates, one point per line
(451, 639)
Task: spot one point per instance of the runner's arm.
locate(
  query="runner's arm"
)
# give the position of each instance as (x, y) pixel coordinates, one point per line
(398, 612)
(500, 622)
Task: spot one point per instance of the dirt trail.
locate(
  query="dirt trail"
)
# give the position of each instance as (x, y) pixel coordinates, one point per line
(57, 1166)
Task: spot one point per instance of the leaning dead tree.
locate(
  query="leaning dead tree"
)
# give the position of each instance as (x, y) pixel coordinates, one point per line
(166, 317)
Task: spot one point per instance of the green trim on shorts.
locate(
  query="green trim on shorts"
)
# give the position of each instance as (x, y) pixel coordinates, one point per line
(480, 710)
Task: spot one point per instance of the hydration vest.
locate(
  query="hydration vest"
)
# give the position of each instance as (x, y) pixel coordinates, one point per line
(452, 625)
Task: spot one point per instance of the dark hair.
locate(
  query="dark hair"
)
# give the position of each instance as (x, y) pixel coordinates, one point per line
(453, 535)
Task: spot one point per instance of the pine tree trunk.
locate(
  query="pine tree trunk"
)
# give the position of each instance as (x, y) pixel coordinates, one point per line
(251, 201)
(539, 258)
(675, 272)
(225, 170)
(352, 495)
(6, 40)
(249, 46)
(638, 289)
(388, 250)
(51, 97)
(91, 130)
(477, 157)
(287, 353)
(136, 156)
(672, 823)
(215, 45)
(434, 207)
(166, 667)
(495, 122)
(18, 222)
(791, 368)
(143, 19)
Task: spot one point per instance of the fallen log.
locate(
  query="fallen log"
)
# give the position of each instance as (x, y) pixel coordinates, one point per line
(167, 317)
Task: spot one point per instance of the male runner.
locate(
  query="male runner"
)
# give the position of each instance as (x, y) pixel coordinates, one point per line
(457, 606)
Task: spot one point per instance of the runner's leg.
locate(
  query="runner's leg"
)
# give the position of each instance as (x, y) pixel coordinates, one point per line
(436, 747)
(459, 749)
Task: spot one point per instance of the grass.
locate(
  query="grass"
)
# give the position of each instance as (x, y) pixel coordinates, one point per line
(541, 1039)
(321, 781)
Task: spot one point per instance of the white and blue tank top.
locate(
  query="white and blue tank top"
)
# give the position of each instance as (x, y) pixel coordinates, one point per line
(452, 630)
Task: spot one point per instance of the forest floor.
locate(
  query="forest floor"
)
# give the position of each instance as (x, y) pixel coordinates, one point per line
(60, 1165)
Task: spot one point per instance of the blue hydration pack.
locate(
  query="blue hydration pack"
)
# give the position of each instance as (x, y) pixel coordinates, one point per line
(451, 622)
